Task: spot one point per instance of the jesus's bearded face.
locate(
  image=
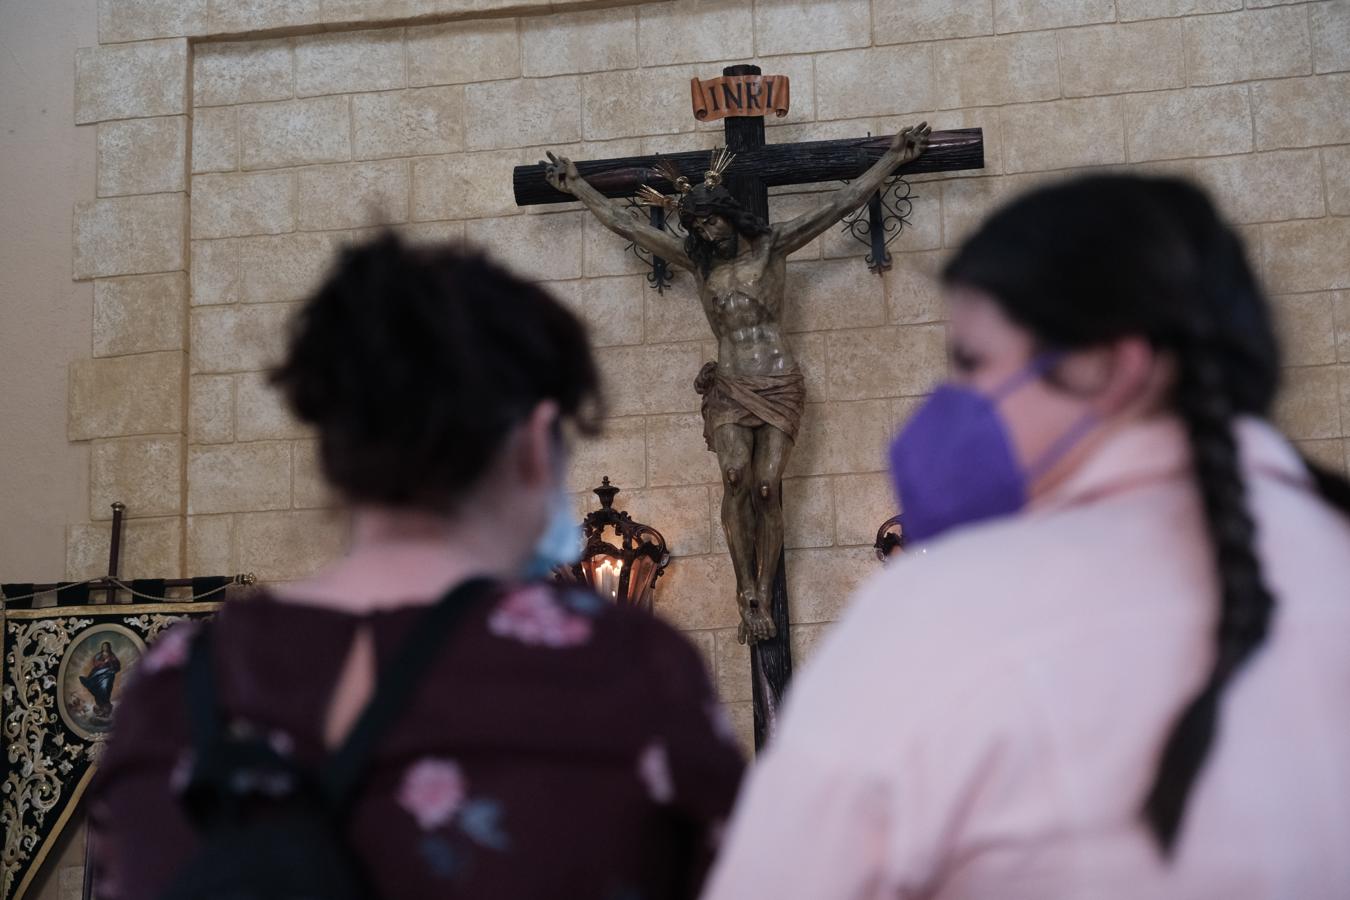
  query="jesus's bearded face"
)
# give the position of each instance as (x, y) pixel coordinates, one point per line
(714, 229)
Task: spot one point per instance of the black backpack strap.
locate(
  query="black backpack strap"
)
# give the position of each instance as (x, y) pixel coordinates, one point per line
(204, 719)
(340, 773)
(207, 798)
(394, 688)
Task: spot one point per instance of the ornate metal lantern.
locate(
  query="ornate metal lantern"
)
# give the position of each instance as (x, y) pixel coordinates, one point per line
(890, 541)
(624, 564)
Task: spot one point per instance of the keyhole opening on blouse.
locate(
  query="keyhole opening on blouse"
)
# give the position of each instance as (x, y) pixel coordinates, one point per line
(354, 686)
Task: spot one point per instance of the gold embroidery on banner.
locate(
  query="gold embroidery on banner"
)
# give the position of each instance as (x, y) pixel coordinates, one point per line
(51, 744)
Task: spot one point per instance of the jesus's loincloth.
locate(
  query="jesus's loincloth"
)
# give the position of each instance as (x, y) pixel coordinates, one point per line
(750, 400)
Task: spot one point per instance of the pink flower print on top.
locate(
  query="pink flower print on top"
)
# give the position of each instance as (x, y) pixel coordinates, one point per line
(432, 792)
(181, 774)
(171, 650)
(654, 770)
(281, 742)
(534, 616)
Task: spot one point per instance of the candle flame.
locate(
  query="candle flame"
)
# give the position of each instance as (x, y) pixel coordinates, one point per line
(607, 577)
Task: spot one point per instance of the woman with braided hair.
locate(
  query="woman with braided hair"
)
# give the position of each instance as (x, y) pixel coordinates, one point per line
(1120, 667)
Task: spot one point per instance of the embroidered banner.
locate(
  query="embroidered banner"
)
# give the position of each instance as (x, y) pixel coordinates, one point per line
(62, 674)
(740, 95)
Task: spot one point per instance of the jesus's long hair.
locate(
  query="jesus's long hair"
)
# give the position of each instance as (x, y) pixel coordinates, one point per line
(716, 201)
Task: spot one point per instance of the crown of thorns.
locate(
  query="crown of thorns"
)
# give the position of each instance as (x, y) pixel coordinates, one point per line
(718, 162)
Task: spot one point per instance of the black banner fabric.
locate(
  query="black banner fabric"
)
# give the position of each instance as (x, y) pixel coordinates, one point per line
(61, 677)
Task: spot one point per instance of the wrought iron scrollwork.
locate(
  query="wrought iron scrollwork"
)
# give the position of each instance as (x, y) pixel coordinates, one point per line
(660, 274)
(890, 537)
(881, 221)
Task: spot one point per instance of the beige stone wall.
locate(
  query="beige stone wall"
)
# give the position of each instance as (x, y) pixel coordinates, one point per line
(228, 146)
(230, 169)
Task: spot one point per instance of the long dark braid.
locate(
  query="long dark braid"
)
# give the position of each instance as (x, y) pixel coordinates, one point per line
(1245, 605)
(1215, 357)
(1098, 258)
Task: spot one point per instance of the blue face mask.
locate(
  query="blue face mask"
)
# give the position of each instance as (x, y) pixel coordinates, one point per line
(954, 463)
(560, 542)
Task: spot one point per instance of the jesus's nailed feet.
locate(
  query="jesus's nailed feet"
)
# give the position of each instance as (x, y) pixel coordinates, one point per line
(756, 624)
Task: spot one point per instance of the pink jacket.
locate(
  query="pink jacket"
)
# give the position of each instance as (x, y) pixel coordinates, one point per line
(985, 720)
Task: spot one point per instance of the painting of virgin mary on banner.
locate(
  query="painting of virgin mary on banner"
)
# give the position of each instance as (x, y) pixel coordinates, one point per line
(93, 673)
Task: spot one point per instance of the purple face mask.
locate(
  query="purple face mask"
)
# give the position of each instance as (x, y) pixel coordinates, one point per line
(954, 463)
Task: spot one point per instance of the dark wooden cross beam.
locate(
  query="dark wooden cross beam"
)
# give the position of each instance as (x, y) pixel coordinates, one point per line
(758, 167)
(772, 165)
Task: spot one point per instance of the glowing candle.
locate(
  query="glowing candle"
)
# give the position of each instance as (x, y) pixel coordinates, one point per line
(607, 578)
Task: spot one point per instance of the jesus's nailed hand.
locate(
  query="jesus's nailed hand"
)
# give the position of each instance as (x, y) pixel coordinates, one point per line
(911, 142)
(559, 171)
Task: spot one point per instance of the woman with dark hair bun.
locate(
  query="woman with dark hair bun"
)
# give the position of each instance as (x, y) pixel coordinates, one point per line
(1119, 667)
(524, 739)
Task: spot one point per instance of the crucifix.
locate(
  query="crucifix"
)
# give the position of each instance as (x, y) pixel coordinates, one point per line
(754, 395)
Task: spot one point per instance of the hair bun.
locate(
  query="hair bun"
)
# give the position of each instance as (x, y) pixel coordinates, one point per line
(413, 363)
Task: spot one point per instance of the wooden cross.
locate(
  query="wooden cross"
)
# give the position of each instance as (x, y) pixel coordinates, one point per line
(760, 166)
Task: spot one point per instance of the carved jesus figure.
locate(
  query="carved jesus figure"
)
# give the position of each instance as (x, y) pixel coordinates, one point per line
(753, 396)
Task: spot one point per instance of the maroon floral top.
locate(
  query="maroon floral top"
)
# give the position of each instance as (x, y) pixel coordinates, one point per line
(562, 747)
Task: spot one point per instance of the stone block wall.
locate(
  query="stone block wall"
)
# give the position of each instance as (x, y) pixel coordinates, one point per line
(241, 143)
